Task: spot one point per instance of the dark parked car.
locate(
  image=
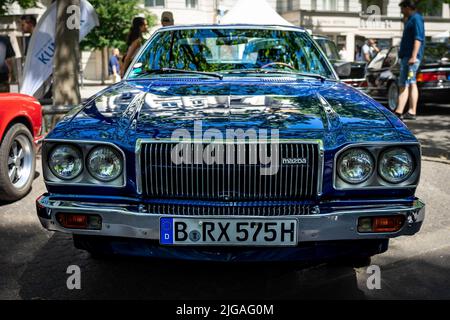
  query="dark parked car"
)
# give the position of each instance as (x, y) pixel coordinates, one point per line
(433, 77)
(215, 147)
(356, 76)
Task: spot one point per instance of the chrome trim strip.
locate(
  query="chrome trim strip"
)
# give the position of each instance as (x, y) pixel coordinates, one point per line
(94, 142)
(418, 204)
(434, 70)
(381, 145)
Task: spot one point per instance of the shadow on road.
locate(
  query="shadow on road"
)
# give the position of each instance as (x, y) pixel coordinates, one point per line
(431, 128)
(124, 278)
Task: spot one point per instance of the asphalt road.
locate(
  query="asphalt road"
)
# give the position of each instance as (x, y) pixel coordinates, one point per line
(33, 262)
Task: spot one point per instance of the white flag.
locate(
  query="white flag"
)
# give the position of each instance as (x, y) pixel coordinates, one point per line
(39, 62)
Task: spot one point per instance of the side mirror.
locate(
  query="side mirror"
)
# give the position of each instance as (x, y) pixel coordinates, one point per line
(343, 69)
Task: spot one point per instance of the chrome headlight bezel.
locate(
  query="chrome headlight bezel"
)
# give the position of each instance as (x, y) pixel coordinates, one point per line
(91, 170)
(84, 178)
(347, 154)
(76, 153)
(376, 149)
(381, 168)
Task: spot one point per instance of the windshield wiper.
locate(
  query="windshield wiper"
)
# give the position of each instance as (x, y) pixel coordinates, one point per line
(171, 70)
(295, 73)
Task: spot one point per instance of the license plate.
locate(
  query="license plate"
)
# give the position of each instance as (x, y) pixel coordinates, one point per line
(224, 232)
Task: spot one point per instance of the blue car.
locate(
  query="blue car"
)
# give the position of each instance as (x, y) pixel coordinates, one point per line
(231, 143)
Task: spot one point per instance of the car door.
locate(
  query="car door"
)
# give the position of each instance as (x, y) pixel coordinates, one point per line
(373, 72)
(381, 70)
(389, 71)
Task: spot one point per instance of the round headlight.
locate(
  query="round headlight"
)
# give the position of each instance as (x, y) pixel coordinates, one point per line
(104, 163)
(355, 166)
(65, 162)
(396, 165)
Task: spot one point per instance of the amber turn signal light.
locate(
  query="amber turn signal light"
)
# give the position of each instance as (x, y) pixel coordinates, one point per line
(79, 221)
(380, 224)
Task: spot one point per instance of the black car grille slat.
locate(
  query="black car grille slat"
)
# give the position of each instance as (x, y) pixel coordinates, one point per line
(204, 210)
(161, 178)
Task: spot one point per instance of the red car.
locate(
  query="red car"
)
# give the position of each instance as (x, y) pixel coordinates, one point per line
(20, 127)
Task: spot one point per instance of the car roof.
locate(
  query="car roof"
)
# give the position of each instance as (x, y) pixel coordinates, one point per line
(317, 36)
(231, 26)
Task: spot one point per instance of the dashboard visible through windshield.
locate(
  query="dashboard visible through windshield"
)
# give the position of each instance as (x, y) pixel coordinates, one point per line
(226, 51)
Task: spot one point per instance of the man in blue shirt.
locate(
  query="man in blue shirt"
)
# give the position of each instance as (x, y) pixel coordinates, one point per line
(114, 66)
(410, 54)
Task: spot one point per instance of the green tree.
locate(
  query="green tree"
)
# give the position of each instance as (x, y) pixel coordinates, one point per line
(115, 19)
(23, 3)
(431, 7)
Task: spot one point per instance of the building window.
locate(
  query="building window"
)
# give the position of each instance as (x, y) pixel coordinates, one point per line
(330, 5)
(155, 3)
(191, 4)
(290, 5)
(346, 5)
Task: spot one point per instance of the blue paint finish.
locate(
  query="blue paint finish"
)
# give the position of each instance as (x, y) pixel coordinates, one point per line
(130, 110)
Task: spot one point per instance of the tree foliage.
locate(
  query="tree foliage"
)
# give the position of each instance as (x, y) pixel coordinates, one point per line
(4, 4)
(431, 7)
(115, 19)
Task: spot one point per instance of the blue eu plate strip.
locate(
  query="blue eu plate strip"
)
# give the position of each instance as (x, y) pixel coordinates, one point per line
(166, 230)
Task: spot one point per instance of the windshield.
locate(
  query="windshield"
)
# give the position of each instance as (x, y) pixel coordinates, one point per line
(329, 48)
(230, 50)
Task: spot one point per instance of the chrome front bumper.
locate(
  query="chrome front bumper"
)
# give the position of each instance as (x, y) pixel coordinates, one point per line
(126, 221)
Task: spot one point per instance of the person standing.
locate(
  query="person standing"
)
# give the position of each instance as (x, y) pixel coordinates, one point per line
(6, 63)
(114, 66)
(27, 24)
(410, 54)
(369, 50)
(358, 55)
(167, 19)
(134, 42)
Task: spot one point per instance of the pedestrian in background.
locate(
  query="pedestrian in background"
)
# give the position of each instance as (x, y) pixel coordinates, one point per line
(411, 54)
(6, 63)
(369, 50)
(358, 55)
(134, 42)
(27, 25)
(343, 54)
(167, 19)
(114, 66)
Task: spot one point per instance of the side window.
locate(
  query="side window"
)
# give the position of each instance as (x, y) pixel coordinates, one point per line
(391, 58)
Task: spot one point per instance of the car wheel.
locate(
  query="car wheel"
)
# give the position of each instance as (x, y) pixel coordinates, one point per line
(393, 96)
(17, 163)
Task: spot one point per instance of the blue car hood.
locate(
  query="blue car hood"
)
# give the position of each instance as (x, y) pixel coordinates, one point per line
(302, 109)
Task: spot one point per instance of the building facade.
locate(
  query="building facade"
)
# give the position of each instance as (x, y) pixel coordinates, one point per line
(350, 22)
(195, 11)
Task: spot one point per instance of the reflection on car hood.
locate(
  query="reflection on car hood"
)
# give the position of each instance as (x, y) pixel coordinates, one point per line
(302, 109)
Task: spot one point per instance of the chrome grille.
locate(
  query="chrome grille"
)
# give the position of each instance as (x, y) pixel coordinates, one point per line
(231, 210)
(159, 177)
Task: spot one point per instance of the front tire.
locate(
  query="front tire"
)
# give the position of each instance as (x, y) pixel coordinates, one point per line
(393, 93)
(17, 163)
